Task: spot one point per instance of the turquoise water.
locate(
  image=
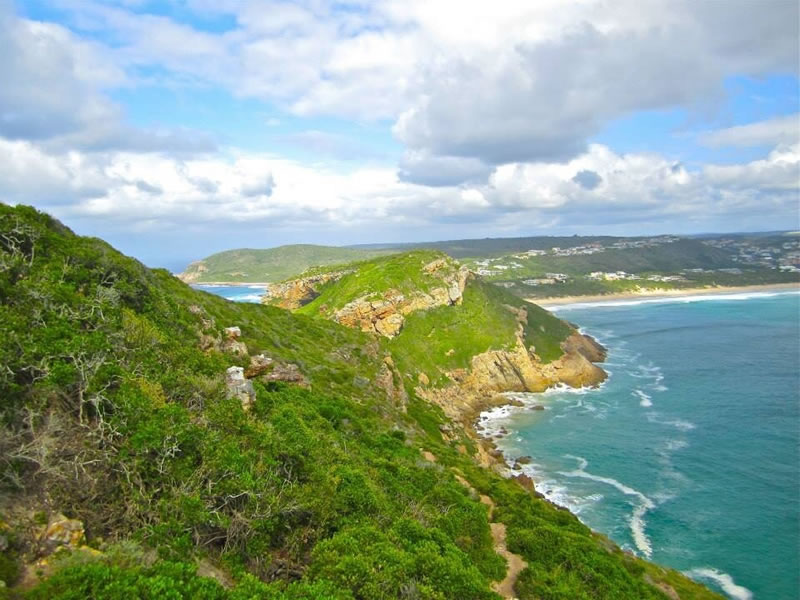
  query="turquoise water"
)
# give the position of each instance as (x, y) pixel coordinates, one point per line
(690, 453)
(237, 293)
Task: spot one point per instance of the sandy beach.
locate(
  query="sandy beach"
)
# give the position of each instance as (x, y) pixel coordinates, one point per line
(658, 294)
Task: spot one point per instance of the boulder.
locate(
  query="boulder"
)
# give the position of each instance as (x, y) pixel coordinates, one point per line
(390, 326)
(233, 333)
(259, 364)
(237, 386)
(62, 532)
(288, 372)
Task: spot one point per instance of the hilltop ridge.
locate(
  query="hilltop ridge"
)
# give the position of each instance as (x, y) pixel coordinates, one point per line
(246, 265)
(461, 340)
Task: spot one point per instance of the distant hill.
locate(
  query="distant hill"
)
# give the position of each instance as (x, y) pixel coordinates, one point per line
(246, 265)
(489, 247)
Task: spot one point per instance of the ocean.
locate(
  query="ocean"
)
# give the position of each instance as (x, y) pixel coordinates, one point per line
(237, 293)
(689, 454)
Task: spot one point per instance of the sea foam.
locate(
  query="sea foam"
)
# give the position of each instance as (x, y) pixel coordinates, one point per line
(644, 399)
(670, 299)
(681, 424)
(636, 522)
(725, 581)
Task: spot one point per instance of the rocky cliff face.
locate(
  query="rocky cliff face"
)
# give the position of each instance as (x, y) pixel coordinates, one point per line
(193, 272)
(516, 370)
(386, 315)
(382, 313)
(293, 294)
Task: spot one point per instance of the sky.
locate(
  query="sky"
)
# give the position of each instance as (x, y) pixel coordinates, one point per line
(175, 129)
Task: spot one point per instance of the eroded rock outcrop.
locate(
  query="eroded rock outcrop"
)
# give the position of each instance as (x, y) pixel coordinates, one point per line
(232, 343)
(62, 532)
(293, 294)
(239, 387)
(193, 272)
(385, 314)
(518, 369)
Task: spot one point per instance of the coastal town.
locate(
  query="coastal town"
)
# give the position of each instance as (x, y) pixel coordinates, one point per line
(592, 265)
(765, 252)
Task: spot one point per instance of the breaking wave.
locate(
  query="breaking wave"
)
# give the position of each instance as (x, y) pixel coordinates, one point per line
(723, 580)
(636, 521)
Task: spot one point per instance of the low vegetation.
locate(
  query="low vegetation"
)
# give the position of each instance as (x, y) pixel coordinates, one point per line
(404, 273)
(269, 265)
(115, 413)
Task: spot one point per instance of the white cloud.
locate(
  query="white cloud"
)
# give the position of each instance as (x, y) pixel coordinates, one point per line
(513, 81)
(268, 192)
(54, 91)
(780, 130)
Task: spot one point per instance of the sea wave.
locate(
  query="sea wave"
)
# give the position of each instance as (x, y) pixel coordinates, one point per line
(725, 581)
(254, 298)
(671, 299)
(636, 521)
(654, 417)
(644, 399)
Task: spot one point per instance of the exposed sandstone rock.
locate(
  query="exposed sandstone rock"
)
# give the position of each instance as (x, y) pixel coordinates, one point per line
(515, 370)
(293, 294)
(237, 386)
(395, 392)
(259, 364)
(209, 342)
(231, 342)
(386, 315)
(62, 532)
(234, 346)
(288, 372)
(585, 345)
(193, 272)
(383, 313)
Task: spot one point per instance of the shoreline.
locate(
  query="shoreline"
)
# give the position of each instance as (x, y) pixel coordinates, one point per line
(229, 284)
(662, 294)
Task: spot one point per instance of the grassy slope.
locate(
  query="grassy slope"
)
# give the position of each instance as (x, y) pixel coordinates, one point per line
(447, 337)
(275, 264)
(401, 272)
(113, 414)
(482, 322)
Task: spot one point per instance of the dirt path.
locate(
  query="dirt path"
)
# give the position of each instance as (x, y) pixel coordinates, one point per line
(515, 562)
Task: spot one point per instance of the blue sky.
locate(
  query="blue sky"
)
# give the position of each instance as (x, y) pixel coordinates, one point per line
(174, 129)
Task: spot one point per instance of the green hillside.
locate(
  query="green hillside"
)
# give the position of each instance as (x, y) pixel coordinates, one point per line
(441, 338)
(128, 469)
(269, 265)
(681, 254)
(491, 247)
(401, 272)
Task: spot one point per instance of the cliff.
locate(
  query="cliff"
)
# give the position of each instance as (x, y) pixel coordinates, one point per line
(156, 441)
(520, 347)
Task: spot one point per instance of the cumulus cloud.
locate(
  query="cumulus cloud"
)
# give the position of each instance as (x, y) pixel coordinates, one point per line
(496, 105)
(182, 194)
(541, 100)
(491, 84)
(54, 92)
(772, 132)
(422, 168)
